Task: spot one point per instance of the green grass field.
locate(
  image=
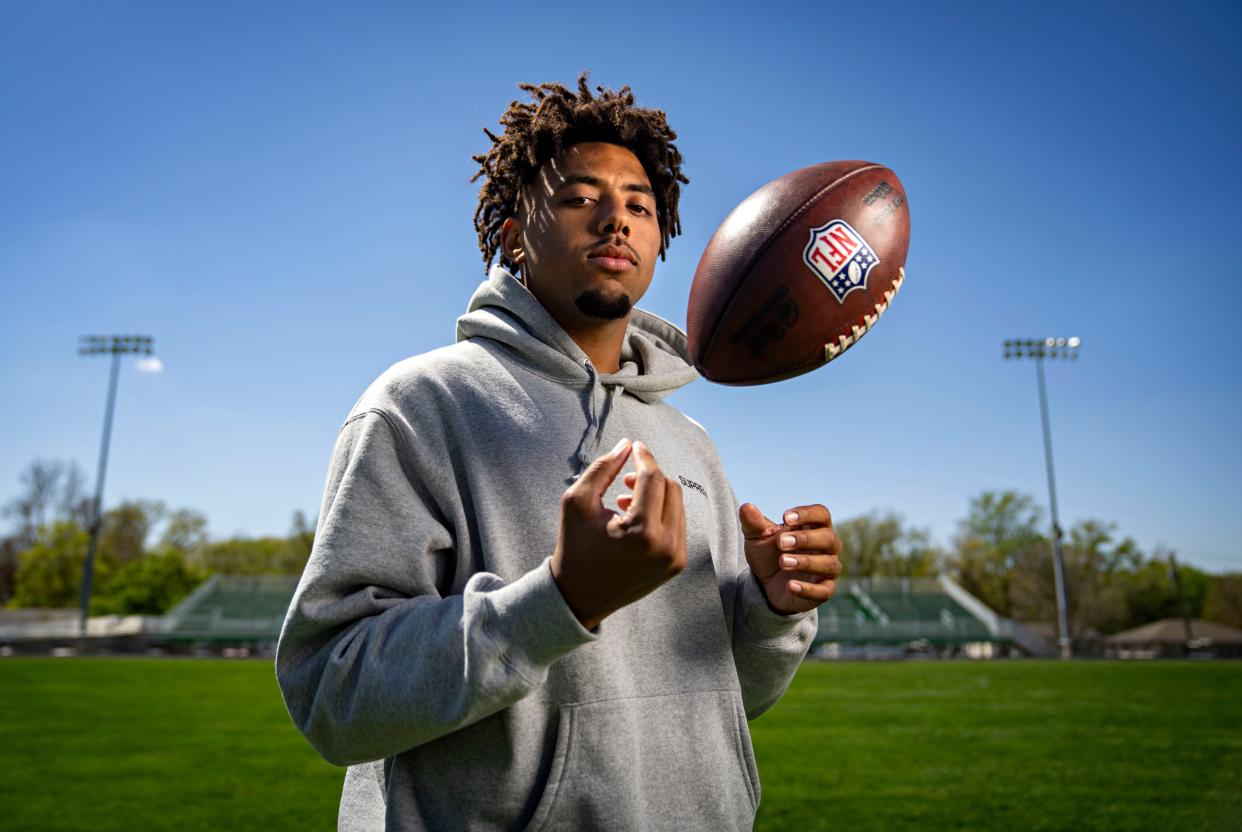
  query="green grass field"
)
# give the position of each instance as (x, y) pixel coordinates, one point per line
(137, 744)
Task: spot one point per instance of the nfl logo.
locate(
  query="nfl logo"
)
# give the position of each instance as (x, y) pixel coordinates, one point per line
(840, 257)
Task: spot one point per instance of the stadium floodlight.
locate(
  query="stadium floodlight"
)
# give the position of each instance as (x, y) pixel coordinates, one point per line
(1051, 348)
(116, 346)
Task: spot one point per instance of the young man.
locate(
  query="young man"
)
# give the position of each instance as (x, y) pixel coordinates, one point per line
(478, 635)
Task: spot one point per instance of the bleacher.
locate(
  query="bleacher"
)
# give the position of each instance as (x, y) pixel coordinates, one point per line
(899, 611)
(865, 611)
(237, 610)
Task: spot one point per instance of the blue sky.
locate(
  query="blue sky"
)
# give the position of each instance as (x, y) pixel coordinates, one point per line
(279, 194)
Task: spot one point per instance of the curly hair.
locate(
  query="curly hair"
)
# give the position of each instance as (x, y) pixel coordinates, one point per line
(556, 118)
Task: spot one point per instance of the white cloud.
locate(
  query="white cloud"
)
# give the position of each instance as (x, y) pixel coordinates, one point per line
(150, 364)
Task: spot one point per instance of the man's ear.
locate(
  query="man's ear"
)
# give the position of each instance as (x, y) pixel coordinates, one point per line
(511, 241)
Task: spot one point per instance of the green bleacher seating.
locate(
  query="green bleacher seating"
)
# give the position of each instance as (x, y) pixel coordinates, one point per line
(863, 611)
(246, 609)
(896, 611)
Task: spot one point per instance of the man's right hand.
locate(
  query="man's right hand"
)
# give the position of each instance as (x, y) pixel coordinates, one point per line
(605, 560)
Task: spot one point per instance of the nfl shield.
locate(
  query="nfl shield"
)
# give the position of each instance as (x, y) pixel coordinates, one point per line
(840, 257)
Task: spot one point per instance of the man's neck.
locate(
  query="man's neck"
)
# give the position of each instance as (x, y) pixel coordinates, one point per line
(602, 343)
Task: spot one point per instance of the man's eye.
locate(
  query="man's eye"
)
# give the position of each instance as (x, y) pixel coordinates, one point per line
(579, 200)
(639, 209)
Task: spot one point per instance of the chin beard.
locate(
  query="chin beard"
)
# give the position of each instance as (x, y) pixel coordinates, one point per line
(593, 303)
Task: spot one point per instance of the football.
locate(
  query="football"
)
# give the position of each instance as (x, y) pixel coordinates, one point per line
(798, 273)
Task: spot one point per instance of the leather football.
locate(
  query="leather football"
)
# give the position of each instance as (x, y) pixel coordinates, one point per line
(798, 273)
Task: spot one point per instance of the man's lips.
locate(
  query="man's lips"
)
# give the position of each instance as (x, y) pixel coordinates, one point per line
(616, 264)
(614, 258)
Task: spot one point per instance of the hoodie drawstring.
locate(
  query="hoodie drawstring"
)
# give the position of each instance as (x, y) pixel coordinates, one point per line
(588, 447)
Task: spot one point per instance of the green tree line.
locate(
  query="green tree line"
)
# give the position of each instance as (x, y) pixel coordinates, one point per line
(1002, 554)
(150, 557)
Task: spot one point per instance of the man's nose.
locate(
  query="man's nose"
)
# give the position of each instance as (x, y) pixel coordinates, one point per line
(612, 217)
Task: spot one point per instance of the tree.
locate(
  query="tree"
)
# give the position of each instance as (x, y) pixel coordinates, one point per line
(41, 481)
(151, 585)
(1224, 599)
(49, 573)
(1151, 594)
(52, 491)
(999, 530)
(126, 528)
(298, 546)
(10, 551)
(877, 544)
(47, 546)
(1095, 566)
(1094, 587)
(302, 531)
(245, 556)
(1190, 586)
(1032, 587)
(185, 531)
(74, 503)
(260, 555)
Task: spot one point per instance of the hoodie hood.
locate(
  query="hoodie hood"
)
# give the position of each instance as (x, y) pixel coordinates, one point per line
(655, 360)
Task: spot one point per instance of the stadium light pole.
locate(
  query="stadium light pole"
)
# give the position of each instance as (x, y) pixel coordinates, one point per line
(1053, 348)
(116, 346)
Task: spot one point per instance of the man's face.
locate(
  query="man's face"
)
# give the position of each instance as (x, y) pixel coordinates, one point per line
(586, 236)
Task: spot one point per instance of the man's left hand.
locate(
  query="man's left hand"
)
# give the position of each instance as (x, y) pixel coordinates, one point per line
(797, 562)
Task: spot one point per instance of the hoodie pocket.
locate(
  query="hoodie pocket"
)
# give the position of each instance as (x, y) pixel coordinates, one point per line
(677, 761)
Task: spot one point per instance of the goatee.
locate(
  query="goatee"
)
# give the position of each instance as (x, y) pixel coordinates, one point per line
(592, 302)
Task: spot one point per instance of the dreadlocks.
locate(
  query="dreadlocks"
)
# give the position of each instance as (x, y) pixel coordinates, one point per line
(557, 118)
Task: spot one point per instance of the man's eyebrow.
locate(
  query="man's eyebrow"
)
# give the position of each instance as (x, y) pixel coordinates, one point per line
(596, 182)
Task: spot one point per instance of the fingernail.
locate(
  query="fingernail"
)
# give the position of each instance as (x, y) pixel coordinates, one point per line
(788, 561)
(791, 517)
(794, 586)
(788, 541)
(619, 446)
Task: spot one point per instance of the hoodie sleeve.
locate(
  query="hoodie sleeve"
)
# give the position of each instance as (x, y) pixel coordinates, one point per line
(768, 646)
(372, 659)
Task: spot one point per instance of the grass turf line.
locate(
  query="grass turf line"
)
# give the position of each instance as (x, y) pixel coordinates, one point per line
(121, 744)
(1004, 745)
(150, 744)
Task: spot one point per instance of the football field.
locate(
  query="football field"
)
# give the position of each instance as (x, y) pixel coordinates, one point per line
(193, 744)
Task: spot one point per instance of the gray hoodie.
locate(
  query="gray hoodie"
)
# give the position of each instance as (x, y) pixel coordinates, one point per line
(428, 647)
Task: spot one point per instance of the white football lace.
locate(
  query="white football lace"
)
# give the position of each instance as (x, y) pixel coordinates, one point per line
(844, 342)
